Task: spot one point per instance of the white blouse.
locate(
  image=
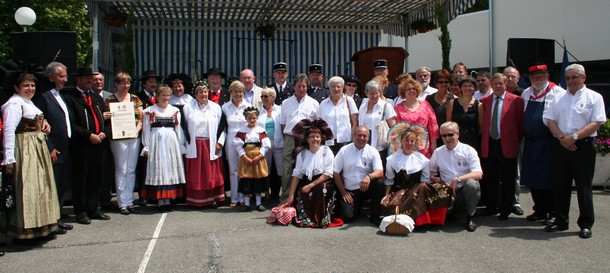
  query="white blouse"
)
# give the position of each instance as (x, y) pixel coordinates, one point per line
(311, 164)
(410, 163)
(12, 112)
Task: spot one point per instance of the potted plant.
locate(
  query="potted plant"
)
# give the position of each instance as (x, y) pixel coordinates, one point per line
(602, 148)
(265, 30)
(115, 19)
(422, 26)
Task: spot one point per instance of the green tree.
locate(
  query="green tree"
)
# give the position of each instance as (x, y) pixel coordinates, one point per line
(51, 15)
(445, 38)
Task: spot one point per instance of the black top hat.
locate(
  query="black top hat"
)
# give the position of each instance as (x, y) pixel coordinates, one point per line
(213, 71)
(537, 68)
(281, 66)
(315, 68)
(380, 63)
(352, 78)
(148, 74)
(84, 71)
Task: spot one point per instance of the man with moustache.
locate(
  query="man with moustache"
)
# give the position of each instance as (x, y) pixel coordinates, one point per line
(316, 78)
(88, 153)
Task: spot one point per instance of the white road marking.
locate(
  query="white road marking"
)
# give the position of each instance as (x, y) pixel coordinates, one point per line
(151, 245)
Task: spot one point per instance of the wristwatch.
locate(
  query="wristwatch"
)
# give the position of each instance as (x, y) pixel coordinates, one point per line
(574, 136)
(458, 179)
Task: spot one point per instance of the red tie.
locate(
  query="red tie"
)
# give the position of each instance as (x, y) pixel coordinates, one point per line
(87, 97)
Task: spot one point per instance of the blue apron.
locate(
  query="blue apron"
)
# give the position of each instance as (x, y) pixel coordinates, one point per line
(537, 149)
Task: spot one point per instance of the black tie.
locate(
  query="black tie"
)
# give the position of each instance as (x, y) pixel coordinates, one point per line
(493, 131)
(281, 88)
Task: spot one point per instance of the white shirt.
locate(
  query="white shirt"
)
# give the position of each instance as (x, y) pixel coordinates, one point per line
(574, 112)
(338, 118)
(410, 163)
(528, 95)
(278, 136)
(252, 135)
(463, 159)
(235, 117)
(184, 100)
(428, 91)
(311, 164)
(12, 111)
(356, 164)
(479, 95)
(64, 108)
(370, 120)
(294, 111)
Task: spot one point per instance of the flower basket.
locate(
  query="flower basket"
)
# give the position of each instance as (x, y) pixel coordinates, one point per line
(422, 26)
(265, 30)
(602, 140)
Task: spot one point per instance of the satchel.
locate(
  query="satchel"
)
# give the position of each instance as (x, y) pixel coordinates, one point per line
(7, 195)
(382, 130)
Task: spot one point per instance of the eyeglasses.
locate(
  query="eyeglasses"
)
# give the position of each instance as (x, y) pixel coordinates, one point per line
(572, 78)
(442, 82)
(448, 135)
(351, 84)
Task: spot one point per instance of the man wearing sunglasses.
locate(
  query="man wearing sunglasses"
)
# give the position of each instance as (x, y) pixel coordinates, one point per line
(458, 165)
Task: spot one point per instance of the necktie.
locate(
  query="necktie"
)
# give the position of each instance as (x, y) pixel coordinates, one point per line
(493, 131)
(281, 89)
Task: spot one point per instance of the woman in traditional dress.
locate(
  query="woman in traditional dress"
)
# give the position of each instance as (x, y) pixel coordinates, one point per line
(125, 150)
(340, 113)
(408, 180)
(372, 111)
(269, 118)
(419, 112)
(234, 113)
(312, 190)
(164, 144)
(465, 112)
(27, 159)
(251, 143)
(204, 179)
(441, 99)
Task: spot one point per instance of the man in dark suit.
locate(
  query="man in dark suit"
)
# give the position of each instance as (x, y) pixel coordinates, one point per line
(217, 94)
(283, 89)
(88, 153)
(149, 82)
(316, 88)
(55, 110)
(502, 129)
(381, 69)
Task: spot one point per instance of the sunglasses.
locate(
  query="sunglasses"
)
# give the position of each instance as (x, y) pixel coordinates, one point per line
(351, 84)
(264, 96)
(448, 135)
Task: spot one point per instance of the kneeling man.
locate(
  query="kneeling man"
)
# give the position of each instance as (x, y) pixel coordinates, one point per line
(357, 167)
(458, 165)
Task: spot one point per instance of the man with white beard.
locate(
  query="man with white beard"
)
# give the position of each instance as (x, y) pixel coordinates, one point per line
(423, 76)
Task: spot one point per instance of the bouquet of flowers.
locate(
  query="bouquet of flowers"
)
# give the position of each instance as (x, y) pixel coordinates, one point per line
(602, 140)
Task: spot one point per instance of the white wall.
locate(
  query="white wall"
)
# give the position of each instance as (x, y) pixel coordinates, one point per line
(585, 25)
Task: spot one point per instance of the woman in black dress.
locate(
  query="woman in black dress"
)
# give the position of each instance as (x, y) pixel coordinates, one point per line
(465, 112)
(441, 99)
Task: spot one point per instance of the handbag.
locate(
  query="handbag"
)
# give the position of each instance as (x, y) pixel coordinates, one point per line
(382, 130)
(7, 195)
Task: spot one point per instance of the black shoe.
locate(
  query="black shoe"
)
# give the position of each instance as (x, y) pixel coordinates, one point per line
(549, 221)
(470, 225)
(1, 253)
(486, 212)
(110, 207)
(124, 211)
(555, 228)
(65, 226)
(60, 231)
(133, 210)
(503, 217)
(244, 208)
(261, 208)
(214, 206)
(83, 219)
(517, 210)
(142, 202)
(375, 220)
(585, 233)
(98, 215)
(536, 217)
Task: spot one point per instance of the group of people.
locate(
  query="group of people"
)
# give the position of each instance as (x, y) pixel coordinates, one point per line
(329, 153)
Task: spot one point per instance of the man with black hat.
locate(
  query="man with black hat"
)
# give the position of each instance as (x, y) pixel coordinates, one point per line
(537, 153)
(88, 153)
(316, 78)
(149, 81)
(217, 94)
(283, 88)
(381, 69)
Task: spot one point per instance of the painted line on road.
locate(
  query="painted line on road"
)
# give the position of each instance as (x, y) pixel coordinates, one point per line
(151, 245)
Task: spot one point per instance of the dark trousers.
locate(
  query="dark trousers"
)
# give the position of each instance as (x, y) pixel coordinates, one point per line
(87, 177)
(500, 174)
(577, 166)
(275, 183)
(63, 180)
(543, 201)
(348, 212)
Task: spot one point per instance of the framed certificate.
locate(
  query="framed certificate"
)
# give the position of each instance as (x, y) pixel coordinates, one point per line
(123, 120)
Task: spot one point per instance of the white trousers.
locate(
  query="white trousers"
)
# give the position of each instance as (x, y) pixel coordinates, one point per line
(233, 160)
(125, 154)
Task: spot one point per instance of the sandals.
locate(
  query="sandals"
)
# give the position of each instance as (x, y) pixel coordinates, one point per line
(124, 211)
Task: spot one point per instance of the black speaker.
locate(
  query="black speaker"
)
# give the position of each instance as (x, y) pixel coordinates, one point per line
(522, 53)
(44, 47)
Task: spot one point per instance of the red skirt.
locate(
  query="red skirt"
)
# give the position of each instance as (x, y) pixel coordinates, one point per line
(204, 180)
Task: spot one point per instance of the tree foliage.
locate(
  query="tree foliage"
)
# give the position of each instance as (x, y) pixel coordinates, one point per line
(445, 38)
(51, 15)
